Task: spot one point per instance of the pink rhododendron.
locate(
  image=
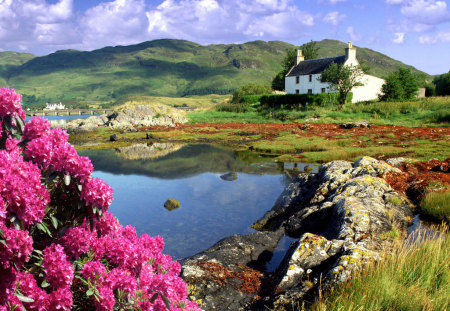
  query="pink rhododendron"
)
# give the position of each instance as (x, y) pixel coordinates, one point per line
(19, 246)
(59, 271)
(21, 188)
(46, 215)
(10, 103)
(97, 193)
(36, 128)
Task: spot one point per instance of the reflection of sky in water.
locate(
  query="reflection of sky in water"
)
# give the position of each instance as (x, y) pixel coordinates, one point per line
(211, 208)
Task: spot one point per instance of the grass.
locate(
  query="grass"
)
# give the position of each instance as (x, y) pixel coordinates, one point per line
(436, 206)
(225, 117)
(412, 278)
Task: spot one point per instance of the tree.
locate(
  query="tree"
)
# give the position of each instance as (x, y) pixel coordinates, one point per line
(442, 84)
(400, 85)
(342, 79)
(309, 51)
(249, 89)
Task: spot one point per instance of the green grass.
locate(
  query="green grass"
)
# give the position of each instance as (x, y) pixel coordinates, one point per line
(410, 278)
(436, 206)
(224, 117)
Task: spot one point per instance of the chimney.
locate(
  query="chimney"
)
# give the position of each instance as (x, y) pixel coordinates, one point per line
(299, 57)
(350, 52)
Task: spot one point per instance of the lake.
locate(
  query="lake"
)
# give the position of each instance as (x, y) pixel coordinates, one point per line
(221, 191)
(61, 120)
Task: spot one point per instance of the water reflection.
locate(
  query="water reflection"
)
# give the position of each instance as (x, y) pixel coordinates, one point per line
(211, 207)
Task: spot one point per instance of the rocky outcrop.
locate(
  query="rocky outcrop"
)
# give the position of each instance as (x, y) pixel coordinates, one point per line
(341, 217)
(128, 117)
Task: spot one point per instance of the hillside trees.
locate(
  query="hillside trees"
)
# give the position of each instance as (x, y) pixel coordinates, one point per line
(342, 79)
(309, 51)
(442, 84)
(400, 85)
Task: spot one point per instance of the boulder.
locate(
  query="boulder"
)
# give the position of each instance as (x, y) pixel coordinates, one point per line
(171, 204)
(355, 124)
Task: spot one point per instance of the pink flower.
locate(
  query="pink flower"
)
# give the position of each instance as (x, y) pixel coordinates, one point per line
(30, 289)
(60, 299)
(97, 193)
(19, 247)
(36, 128)
(122, 279)
(94, 271)
(58, 269)
(10, 103)
(21, 188)
(76, 241)
(106, 301)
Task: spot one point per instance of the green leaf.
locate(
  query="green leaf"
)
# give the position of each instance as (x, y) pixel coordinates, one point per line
(45, 284)
(2, 234)
(24, 298)
(54, 221)
(89, 292)
(152, 300)
(4, 243)
(166, 301)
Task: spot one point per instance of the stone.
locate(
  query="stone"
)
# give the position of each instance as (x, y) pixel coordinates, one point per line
(113, 137)
(229, 176)
(171, 204)
(355, 124)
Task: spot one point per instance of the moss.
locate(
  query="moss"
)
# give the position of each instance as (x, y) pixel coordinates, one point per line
(171, 204)
(395, 200)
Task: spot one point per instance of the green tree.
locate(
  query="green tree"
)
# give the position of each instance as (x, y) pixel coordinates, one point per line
(400, 85)
(309, 51)
(442, 84)
(342, 79)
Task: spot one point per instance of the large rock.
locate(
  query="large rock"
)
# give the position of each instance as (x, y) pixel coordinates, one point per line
(223, 277)
(341, 217)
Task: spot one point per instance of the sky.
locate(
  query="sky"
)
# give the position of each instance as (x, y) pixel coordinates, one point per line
(416, 32)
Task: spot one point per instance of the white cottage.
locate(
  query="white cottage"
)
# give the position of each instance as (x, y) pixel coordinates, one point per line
(304, 76)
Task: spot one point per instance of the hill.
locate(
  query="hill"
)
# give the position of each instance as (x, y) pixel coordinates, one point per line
(159, 68)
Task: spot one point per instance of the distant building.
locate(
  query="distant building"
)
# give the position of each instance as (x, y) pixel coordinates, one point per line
(54, 106)
(304, 76)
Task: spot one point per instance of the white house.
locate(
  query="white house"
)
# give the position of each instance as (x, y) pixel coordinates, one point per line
(304, 76)
(59, 106)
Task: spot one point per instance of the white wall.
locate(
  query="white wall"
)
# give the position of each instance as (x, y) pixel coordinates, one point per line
(369, 91)
(304, 85)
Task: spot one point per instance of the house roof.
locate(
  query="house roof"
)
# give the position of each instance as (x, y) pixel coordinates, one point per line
(314, 66)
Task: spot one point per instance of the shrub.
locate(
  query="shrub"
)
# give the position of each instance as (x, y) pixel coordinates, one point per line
(249, 89)
(296, 101)
(60, 248)
(400, 85)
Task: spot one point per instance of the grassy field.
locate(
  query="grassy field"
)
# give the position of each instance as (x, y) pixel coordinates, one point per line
(415, 276)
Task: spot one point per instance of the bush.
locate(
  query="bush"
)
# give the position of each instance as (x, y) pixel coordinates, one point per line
(400, 86)
(249, 89)
(296, 101)
(60, 248)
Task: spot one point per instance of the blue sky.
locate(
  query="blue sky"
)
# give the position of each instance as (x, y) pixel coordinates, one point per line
(416, 32)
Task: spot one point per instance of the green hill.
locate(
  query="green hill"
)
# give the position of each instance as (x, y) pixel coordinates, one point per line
(159, 67)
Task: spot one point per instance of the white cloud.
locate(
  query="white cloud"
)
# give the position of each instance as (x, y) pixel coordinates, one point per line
(394, 1)
(428, 12)
(440, 37)
(331, 1)
(354, 36)
(207, 21)
(334, 18)
(25, 23)
(119, 22)
(399, 37)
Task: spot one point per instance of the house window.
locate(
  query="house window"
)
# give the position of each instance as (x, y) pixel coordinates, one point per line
(297, 91)
(310, 91)
(310, 78)
(297, 79)
(323, 90)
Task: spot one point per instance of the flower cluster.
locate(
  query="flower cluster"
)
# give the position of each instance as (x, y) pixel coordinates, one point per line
(10, 103)
(60, 249)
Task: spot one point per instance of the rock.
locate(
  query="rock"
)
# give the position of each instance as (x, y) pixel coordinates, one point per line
(171, 204)
(229, 176)
(307, 169)
(113, 137)
(222, 277)
(148, 151)
(398, 161)
(355, 124)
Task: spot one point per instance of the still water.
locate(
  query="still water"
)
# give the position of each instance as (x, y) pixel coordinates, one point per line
(61, 120)
(221, 192)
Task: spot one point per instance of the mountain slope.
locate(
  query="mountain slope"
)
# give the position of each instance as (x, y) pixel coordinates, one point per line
(160, 67)
(10, 61)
